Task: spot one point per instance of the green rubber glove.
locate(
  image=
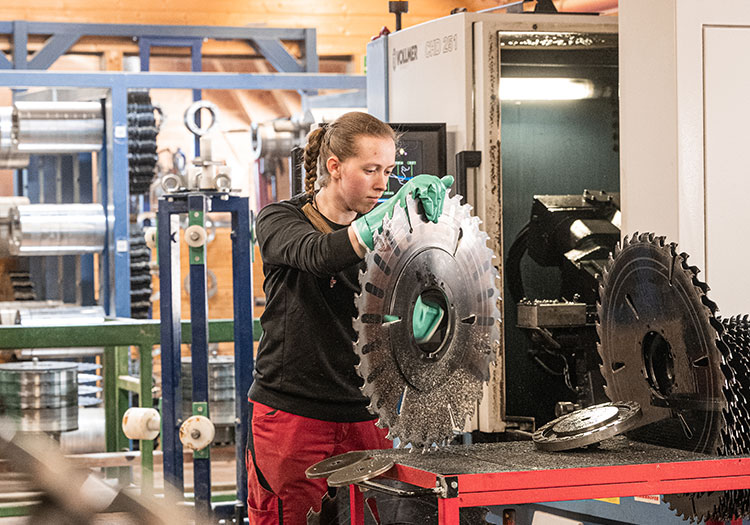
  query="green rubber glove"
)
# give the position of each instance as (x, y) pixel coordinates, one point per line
(425, 320)
(428, 189)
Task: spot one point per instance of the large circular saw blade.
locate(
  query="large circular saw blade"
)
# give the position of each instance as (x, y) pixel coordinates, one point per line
(423, 391)
(658, 344)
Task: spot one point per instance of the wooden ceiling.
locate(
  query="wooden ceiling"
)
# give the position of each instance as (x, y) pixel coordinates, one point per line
(343, 26)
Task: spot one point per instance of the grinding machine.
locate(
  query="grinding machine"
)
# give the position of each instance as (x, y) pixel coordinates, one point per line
(675, 374)
(649, 357)
(532, 111)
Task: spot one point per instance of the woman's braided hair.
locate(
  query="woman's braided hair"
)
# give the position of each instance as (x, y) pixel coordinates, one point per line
(338, 138)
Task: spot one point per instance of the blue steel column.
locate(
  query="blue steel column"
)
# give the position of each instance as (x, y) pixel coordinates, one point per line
(68, 174)
(196, 65)
(199, 353)
(144, 53)
(20, 44)
(121, 200)
(85, 195)
(50, 276)
(171, 337)
(242, 276)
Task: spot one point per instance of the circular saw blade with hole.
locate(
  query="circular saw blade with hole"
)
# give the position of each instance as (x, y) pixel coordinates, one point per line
(424, 391)
(658, 340)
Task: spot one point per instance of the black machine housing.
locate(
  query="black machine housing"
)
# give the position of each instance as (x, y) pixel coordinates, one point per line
(576, 234)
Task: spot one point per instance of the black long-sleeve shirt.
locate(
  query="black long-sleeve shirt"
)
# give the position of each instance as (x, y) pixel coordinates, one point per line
(305, 363)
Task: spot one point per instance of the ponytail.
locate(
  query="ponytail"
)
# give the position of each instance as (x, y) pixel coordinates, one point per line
(338, 138)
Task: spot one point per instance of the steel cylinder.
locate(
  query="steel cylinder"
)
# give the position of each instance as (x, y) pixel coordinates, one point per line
(90, 436)
(40, 396)
(61, 316)
(57, 229)
(57, 127)
(9, 157)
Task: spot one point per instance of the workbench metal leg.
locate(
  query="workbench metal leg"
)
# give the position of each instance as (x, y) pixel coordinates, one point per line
(356, 505)
(171, 339)
(109, 376)
(116, 401)
(115, 364)
(146, 401)
(448, 511)
(242, 290)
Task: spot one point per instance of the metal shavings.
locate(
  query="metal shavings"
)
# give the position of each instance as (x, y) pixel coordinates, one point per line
(555, 40)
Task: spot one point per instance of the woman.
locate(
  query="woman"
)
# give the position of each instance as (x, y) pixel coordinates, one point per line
(305, 402)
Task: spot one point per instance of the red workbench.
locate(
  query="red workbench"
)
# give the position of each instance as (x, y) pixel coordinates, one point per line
(517, 473)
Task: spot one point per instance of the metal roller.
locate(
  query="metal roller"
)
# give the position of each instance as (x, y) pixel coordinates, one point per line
(9, 158)
(63, 419)
(57, 229)
(38, 372)
(40, 396)
(61, 316)
(13, 161)
(57, 353)
(90, 435)
(40, 313)
(57, 127)
(6, 205)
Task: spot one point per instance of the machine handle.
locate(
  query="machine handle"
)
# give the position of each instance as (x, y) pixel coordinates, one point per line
(465, 160)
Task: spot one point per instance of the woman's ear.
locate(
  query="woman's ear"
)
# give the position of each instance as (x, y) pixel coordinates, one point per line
(333, 165)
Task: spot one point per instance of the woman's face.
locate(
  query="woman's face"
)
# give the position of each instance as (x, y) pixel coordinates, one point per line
(361, 180)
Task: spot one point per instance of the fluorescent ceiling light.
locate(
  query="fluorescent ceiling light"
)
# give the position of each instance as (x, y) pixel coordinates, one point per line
(516, 88)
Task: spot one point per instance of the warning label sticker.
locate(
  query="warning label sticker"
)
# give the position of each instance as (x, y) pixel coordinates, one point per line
(653, 498)
(616, 500)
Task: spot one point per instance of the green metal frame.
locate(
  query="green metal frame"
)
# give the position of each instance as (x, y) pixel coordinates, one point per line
(117, 336)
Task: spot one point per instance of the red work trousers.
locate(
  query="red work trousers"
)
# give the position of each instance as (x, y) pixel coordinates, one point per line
(280, 448)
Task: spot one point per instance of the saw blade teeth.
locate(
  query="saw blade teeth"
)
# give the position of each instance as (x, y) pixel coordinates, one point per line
(422, 419)
(647, 258)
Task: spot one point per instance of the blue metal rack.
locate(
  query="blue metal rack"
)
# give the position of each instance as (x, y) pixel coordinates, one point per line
(63, 36)
(168, 233)
(295, 74)
(115, 190)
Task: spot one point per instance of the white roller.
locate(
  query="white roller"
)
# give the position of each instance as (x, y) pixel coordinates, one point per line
(197, 432)
(149, 235)
(195, 235)
(141, 423)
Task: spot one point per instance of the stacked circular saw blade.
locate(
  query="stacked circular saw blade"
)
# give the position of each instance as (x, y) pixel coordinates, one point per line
(423, 391)
(662, 345)
(142, 131)
(734, 345)
(140, 274)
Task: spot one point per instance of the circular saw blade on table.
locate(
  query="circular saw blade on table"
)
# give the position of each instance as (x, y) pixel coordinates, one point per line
(587, 426)
(658, 341)
(422, 392)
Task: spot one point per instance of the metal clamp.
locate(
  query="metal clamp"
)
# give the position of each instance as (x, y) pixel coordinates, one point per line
(194, 109)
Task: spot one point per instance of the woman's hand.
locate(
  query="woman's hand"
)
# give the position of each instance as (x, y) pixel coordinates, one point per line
(429, 190)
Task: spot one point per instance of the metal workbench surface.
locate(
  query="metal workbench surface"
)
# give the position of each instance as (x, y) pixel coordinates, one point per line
(519, 456)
